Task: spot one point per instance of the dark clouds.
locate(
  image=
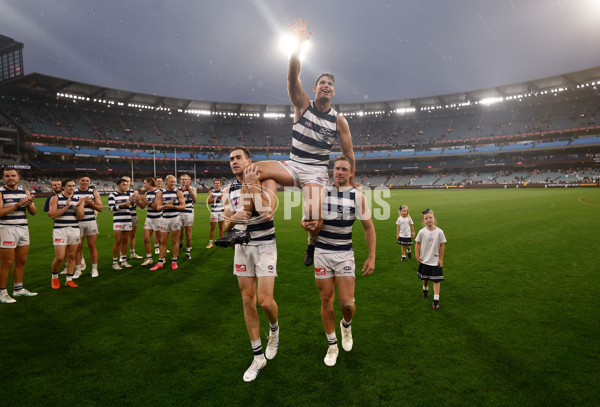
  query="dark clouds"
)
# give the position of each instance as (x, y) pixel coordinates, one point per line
(223, 50)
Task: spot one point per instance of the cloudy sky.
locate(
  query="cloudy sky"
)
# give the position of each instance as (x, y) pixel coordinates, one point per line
(225, 50)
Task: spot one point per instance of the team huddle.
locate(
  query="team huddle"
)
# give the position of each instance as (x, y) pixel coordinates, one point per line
(244, 209)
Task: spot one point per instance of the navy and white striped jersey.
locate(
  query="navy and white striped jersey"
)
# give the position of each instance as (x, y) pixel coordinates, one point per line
(189, 204)
(89, 214)
(11, 197)
(261, 231)
(69, 218)
(313, 136)
(133, 207)
(120, 215)
(170, 196)
(152, 213)
(339, 213)
(217, 206)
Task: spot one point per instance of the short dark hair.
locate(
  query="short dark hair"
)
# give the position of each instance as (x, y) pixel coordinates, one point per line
(11, 169)
(244, 149)
(151, 181)
(64, 181)
(121, 180)
(327, 74)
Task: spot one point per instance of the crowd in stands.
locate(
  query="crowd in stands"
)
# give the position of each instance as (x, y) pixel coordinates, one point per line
(533, 116)
(70, 136)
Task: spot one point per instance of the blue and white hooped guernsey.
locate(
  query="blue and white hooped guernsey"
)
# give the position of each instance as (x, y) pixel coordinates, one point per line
(120, 215)
(261, 231)
(217, 206)
(313, 136)
(152, 213)
(11, 197)
(189, 203)
(69, 218)
(170, 196)
(133, 207)
(339, 214)
(89, 214)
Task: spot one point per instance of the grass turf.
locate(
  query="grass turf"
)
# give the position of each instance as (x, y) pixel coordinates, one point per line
(516, 324)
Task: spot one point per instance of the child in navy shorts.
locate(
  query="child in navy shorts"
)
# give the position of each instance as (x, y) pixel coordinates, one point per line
(429, 251)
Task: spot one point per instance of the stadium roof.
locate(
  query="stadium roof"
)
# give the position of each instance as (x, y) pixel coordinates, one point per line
(40, 84)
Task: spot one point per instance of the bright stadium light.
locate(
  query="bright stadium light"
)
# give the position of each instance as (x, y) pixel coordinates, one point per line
(288, 45)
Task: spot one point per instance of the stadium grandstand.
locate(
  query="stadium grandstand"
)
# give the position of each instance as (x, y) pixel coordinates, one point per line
(542, 132)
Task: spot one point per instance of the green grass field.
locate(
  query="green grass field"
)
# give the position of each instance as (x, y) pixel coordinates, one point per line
(518, 324)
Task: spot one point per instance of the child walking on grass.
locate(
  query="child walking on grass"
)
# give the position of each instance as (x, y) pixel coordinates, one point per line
(429, 252)
(405, 231)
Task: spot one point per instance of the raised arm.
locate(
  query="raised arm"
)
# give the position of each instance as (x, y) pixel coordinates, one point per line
(297, 95)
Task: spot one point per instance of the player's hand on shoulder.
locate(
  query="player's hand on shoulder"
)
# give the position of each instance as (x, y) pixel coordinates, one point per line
(251, 174)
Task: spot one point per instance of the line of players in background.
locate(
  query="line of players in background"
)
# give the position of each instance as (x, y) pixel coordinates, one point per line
(74, 210)
(63, 206)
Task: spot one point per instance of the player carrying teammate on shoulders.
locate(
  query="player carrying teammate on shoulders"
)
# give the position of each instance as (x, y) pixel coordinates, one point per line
(317, 126)
(334, 254)
(255, 264)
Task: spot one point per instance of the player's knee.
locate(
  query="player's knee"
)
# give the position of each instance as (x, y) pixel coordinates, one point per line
(249, 302)
(348, 305)
(327, 299)
(266, 302)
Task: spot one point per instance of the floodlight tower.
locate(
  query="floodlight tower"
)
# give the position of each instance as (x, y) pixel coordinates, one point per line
(11, 58)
